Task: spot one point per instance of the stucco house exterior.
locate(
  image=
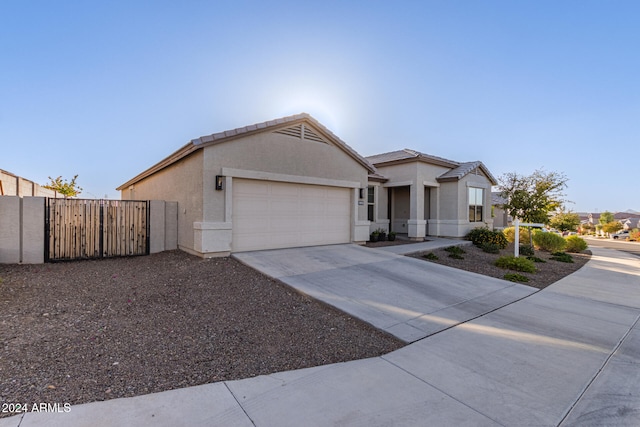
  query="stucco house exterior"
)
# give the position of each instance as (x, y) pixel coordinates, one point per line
(423, 195)
(291, 182)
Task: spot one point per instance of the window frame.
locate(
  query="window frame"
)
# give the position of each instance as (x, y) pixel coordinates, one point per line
(476, 211)
(371, 203)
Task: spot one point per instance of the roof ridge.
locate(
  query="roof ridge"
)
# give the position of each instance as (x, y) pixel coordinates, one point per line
(244, 129)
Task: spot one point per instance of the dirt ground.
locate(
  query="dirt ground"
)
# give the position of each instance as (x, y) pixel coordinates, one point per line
(86, 331)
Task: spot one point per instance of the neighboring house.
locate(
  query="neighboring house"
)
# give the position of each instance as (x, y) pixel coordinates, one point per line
(628, 220)
(291, 182)
(13, 185)
(501, 219)
(423, 195)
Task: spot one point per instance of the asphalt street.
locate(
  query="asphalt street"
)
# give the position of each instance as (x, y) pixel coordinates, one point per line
(620, 245)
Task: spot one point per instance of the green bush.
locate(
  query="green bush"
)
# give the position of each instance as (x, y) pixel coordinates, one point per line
(490, 248)
(479, 236)
(510, 234)
(549, 242)
(455, 250)
(515, 277)
(517, 264)
(562, 257)
(431, 256)
(575, 244)
(526, 250)
(535, 259)
(456, 256)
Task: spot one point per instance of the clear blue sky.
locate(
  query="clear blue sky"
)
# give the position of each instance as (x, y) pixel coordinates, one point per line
(106, 89)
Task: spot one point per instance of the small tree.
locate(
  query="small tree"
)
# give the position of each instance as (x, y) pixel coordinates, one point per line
(612, 227)
(67, 189)
(565, 221)
(587, 228)
(531, 198)
(606, 217)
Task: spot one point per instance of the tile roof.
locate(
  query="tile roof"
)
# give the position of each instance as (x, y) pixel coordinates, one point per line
(407, 154)
(204, 141)
(207, 139)
(457, 172)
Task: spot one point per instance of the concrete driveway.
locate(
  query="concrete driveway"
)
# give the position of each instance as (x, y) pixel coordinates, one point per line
(406, 297)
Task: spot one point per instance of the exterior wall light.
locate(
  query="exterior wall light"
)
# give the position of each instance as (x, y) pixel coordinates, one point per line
(219, 180)
(362, 193)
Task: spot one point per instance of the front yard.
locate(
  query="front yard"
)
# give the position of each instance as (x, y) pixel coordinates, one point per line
(86, 331)
(478, 261)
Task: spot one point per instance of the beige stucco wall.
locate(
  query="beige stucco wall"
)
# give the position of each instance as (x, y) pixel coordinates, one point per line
(13, 185)
(277, 154)
(424, 206)
(181, 182)
(454, 200)
(205, 217)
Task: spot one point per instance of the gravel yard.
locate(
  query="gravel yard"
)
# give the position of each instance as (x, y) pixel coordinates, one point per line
(483, 263)
(86, 331)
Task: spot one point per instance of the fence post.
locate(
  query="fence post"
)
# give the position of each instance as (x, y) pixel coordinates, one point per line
(101, 236)
(10, 229)
(33, 237)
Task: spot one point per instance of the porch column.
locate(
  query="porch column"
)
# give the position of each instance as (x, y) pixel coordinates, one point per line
(434, 223)
(416, 225)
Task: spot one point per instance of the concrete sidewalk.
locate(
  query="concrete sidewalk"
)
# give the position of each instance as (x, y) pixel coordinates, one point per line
(567, 355)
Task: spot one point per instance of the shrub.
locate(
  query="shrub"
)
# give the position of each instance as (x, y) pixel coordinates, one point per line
(515, 277)
(455, 250)
(575, 244)
(526, 250)
(535, 259)
(510, 234)
(562, 257)
(479, 236)
(430, 256)
(517, 264)
(549, 242)
(455, 256)
(490, 248)
(635, 235)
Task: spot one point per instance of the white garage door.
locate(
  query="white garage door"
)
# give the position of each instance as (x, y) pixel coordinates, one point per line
(270, 215)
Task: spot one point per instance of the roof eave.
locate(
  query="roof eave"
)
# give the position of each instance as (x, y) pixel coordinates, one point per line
(183, 152)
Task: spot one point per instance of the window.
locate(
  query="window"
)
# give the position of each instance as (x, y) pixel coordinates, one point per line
(370, 203)
(476, 199)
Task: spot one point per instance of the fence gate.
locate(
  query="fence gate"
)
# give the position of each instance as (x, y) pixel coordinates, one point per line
(90, 228)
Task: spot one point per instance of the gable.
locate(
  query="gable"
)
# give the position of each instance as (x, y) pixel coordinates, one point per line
(302, 131)
(300, 126)
(470, 168)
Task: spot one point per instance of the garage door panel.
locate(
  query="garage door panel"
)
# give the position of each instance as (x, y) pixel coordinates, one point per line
(284, 190)
(283, 207)
(253, 203)
(270, 215)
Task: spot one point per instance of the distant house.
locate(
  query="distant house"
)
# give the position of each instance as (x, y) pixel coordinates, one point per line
(291, 182)
(628, 220)
(500, 217)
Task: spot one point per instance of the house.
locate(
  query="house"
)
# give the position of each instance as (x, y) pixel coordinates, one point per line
(291, 182)
(423, 195)
(628, 220)
(501, 219)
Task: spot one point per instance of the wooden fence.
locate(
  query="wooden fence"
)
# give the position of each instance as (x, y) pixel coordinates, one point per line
(88, 228)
